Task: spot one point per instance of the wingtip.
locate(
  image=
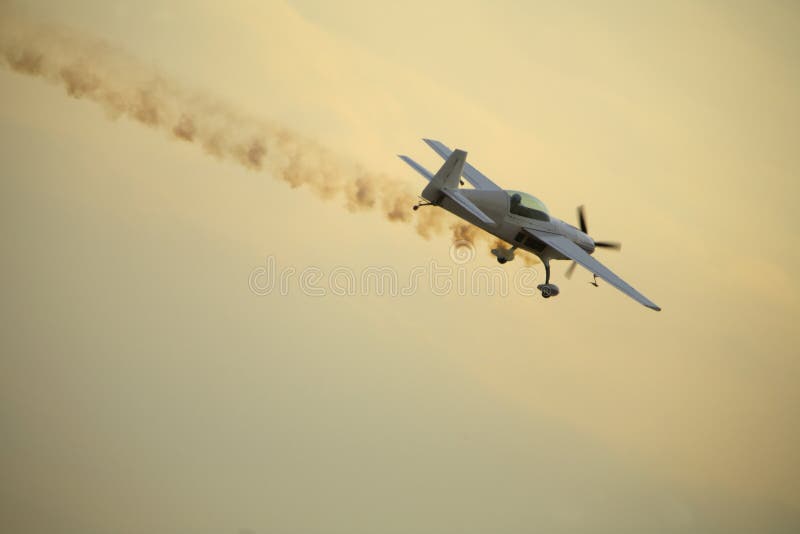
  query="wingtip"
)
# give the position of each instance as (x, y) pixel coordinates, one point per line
(654, 307)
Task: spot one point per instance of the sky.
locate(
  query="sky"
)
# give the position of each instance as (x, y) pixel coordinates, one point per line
(151, 383)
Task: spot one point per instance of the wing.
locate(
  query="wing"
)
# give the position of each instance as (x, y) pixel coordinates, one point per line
(467, 204)
(574, 252)
(473, 175)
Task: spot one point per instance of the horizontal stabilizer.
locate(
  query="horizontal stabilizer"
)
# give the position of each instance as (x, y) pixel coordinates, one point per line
(473, 175)
(417, 167)
(467, 204)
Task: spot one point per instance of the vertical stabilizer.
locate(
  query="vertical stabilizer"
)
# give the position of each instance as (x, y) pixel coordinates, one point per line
(450, 174)
(448, 177)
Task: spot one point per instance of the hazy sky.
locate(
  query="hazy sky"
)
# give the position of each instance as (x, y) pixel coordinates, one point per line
(145, 388)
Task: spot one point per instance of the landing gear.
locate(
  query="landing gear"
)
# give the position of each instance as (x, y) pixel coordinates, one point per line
(418, 205)
(504, 255)
(548, 290)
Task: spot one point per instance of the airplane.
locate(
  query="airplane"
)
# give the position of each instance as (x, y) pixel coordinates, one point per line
(517, 218)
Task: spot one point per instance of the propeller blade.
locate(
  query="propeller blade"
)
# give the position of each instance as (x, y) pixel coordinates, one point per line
(582, 220)
(570, 270)
(608, 244)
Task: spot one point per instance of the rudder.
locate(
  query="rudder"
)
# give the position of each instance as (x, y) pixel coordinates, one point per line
(449, 175)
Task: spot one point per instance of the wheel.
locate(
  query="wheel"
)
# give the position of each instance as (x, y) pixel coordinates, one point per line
(546, 295)
(415, 208)
(501, 261)
(546, 292)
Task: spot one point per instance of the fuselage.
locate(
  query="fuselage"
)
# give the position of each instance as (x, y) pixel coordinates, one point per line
(498, 205)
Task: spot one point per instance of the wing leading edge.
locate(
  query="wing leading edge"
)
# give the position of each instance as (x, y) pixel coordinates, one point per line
(577, 254)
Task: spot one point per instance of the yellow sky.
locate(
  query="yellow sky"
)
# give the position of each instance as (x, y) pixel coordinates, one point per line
(144, 388)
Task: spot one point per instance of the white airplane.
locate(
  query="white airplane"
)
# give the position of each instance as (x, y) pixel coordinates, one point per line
(517, 218)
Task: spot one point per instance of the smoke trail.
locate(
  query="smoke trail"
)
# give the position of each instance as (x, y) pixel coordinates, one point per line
(93, 70)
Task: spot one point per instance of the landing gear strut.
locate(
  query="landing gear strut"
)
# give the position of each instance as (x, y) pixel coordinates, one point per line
(548, 290)
(418, 205)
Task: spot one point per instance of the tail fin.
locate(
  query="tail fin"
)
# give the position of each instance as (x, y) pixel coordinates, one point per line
(449, 175)
(444, 184)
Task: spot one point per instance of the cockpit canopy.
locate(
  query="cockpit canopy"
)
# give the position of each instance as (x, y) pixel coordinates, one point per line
(528, 206)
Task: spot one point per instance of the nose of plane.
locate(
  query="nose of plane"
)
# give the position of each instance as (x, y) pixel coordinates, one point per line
(588, 244)
(585, 242)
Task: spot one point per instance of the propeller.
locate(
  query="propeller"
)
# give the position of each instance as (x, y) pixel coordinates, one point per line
(613, 245)
(570, 270)
(582, 220)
